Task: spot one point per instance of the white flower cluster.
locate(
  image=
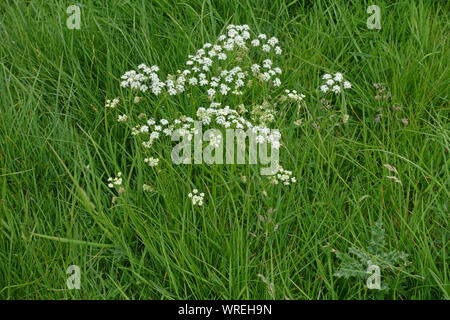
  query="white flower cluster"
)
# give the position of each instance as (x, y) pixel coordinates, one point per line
(267, 45)
(230, 118)
(116, 181)
(134, 80)
(264, 113)
(153, 130)
(293, 95)
(283, 176)
(224, 117)
(199, 67)
(218, 69)
(215, 140)
(147, 188)
(152, 162)
(197, 198)
(122, 118)
(112, 103)
(335, 84)
(266, 72)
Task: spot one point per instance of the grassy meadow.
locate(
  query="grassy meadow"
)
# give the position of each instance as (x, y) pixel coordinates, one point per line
(371, 164)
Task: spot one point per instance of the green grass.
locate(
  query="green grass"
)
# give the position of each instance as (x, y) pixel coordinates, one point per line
(56, 212)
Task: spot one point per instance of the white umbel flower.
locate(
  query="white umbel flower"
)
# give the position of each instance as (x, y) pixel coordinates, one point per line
(336, 89)
(338, 77)
(116, 181)
(324, 88)
(197, 198)
(152, 162)
(334, 84)
(122, 118)
(112, 103)
(255, 43)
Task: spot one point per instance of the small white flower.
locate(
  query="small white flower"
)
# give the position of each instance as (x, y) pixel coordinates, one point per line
(211, 92)
(152, 162)
(228, 46)
(239, 83)
(222, 56)
(224, 89)
(154, 135)
(215, 140)
(255, 42)
(122, 118)
(347, 85)
(197, 198)
(324, 88)
(294, 95)
(336, 89)
(167, 131)
(255, 68)
(147, 144)
(112, 103)
(117, 181)
(266, 76)
(267, 63)
(276, 82)
(272, 41)
(283, 176)
(338, 77)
